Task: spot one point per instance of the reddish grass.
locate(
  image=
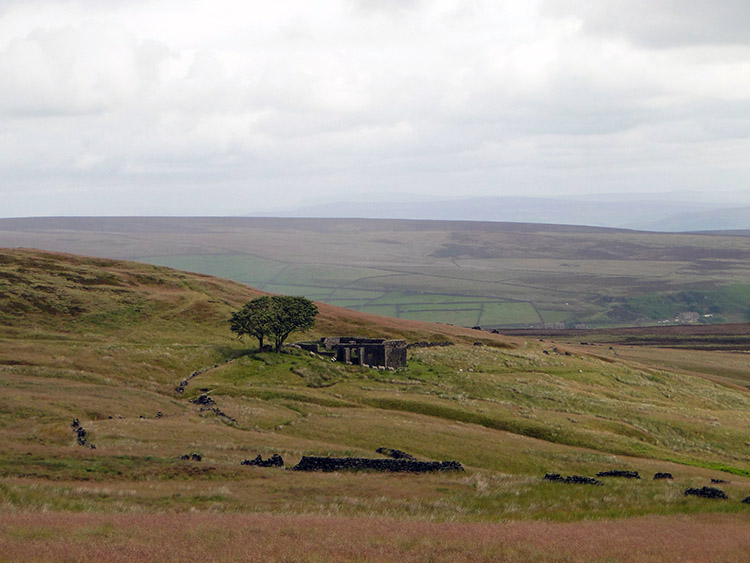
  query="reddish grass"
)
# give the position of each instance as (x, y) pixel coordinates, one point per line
(234, 537)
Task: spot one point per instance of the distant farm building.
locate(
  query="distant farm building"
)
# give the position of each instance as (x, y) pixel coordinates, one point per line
(374, 352)
(688, 317)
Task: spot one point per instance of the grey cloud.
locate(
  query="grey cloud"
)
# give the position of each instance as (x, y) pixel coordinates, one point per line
(76, 70)
(358, 95)
(661, 23)
(384, 6)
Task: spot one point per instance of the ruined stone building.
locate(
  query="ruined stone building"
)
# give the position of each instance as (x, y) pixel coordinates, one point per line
(373, 352)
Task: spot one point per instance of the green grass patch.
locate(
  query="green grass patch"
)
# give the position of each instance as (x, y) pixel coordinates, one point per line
(238, 267)
(461, 317)
(508, 313)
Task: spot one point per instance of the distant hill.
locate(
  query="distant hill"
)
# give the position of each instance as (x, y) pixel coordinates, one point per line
(707, 220)
(649, 214)
(464, 273)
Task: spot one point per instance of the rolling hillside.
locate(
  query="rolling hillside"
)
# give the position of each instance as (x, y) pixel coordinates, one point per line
(458, 272)
(107, 342)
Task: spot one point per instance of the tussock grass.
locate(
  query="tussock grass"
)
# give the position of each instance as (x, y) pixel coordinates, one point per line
(225, 537)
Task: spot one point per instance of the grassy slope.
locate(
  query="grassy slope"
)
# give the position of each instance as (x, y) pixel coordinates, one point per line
(95, 339)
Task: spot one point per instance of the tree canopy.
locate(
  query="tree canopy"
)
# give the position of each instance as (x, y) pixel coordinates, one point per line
(275, 317)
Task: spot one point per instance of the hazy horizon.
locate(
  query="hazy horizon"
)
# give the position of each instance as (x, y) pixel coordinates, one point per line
(642, 212)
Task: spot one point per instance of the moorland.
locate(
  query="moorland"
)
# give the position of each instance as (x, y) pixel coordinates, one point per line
(107, 342)
(493, 275)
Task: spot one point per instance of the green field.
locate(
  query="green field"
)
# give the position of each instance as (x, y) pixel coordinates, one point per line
(339, 286)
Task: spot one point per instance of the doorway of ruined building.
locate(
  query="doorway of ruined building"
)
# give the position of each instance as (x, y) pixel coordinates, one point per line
(354, 356)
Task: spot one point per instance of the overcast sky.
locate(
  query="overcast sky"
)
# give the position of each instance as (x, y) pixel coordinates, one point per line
(211, 107)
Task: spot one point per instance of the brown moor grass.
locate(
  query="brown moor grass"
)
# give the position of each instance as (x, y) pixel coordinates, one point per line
(233, 537)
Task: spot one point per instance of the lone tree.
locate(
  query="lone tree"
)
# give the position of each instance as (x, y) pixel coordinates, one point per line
(275, 317)
(254, 319)
(290, 314)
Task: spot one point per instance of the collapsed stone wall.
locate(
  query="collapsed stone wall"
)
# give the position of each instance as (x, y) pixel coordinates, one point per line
(329, 464)
(206, 403)
(273, 461)
(572, 479)
(706, 492)
(619, 473)
(82, 437)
